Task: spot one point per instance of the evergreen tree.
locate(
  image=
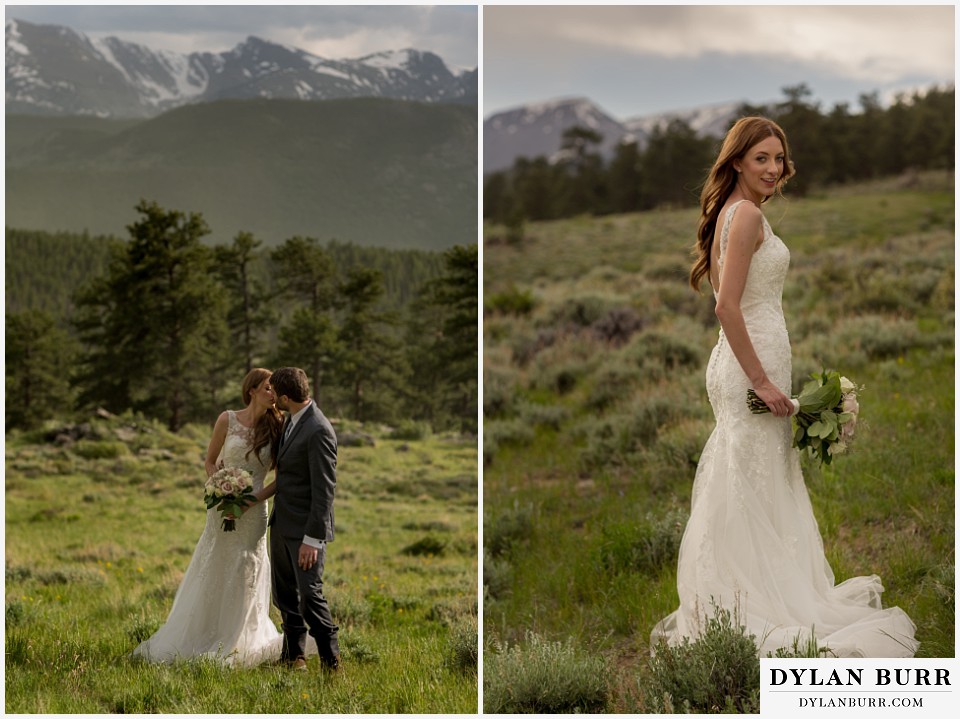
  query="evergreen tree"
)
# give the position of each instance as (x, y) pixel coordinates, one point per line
(445, 360)
(305, 273)
(154, 324)
(248, 315)
(38, 359)
(369, 361)
(674, 165)
(584, 183)
(625, 178)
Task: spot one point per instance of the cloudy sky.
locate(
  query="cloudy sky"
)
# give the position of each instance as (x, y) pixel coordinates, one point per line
(328, 31)
(639, 60)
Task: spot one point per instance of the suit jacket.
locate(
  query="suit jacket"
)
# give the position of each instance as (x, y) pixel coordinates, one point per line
(306, 479)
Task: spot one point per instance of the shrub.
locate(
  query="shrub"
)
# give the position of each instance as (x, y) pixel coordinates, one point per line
(560, 378)
(428, 545)
(546, 415)
(509, 302)
(497, 575)
(581, 311)
(349, 609)
(669, 349)
(499, 392)
(719, 672)
(617, 439)
(878, 337)
(647, 545)
(90, 449)
(617, 326)
(359, 652)
(509, 431)
(508, 529)
(410, 430)
(462, 648)
(611, 384)
(430, 526)
(142, 628)
(544, 677)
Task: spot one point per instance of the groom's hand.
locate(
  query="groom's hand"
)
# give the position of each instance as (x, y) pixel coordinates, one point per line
(308, 556)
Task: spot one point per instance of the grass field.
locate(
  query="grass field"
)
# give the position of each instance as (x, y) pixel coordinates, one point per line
(99, 532)
(595, 414)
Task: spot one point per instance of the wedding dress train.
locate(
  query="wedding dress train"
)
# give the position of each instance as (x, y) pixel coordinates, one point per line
(752, 544)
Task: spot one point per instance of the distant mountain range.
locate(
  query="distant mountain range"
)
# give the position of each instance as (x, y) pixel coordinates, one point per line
(536, 130)
(365, 170)
(54, 70)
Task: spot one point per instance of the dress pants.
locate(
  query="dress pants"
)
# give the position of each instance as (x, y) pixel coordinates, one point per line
(298, 594)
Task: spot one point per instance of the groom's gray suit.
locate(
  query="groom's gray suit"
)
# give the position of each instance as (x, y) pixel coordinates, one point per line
(303, 507)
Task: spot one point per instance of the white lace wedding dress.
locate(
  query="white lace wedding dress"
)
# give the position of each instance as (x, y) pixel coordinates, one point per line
(752, 544)
(222, 607)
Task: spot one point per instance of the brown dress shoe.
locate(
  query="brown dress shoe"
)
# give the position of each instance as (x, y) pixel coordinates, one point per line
(298, 665)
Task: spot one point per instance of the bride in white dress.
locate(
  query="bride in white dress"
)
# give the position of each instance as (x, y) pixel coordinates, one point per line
(752, 545)
(222, 607)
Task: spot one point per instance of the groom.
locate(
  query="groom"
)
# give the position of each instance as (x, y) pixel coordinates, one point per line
(302, 521)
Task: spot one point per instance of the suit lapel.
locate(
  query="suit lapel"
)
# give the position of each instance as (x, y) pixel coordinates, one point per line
(304, 418)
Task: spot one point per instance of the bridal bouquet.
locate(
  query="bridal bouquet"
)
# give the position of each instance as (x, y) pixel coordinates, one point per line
(232, 489)
(825, 414)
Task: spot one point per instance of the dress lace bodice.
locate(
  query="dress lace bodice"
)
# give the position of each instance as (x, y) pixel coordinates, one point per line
(236, 447)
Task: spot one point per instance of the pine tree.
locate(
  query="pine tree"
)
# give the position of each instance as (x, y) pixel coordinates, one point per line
(305, 273)
(369, 362)
(155, 324)
(443, 341)
(248, 315)
(38, 357)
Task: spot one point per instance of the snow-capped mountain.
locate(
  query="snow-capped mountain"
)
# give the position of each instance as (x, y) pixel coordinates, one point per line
(536, 130)
(708, 120)
(54, 70)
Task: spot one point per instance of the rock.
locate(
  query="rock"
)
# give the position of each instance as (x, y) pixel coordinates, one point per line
(356, 439)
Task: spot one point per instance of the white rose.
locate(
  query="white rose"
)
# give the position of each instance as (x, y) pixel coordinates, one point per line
(846, 385)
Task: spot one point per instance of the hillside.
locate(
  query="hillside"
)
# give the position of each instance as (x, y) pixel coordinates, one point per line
(367, 171)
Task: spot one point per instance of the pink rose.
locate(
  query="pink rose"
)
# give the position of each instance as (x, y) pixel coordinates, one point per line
(850, 403)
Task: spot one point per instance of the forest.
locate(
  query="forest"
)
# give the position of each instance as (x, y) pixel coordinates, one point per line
(834, 147)
(166, 324)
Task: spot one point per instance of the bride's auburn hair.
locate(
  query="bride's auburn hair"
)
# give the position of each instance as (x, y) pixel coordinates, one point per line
(267, 429)
(745, 133)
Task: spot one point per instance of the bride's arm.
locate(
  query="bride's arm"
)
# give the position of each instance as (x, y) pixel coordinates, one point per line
(268, 491)
(746, 231)
(216, 444)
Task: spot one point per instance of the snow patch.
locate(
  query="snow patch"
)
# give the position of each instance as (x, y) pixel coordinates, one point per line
(13, 39)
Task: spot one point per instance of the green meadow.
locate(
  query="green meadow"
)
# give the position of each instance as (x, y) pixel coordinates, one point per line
(100, 528)
(595, 413)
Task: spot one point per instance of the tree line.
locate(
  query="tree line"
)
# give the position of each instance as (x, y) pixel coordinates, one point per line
(828, 147)
(168, 326)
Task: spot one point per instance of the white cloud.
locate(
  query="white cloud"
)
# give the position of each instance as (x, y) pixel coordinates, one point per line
(871, 43)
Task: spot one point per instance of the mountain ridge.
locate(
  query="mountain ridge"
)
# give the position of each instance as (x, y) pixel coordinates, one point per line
(55, 70)
(536, 129)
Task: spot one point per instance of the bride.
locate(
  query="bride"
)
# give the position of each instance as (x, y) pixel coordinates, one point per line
(222, 607)
(752, 545)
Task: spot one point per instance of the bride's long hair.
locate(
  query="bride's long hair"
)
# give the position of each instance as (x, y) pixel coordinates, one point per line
(267, 429)
(745, 133)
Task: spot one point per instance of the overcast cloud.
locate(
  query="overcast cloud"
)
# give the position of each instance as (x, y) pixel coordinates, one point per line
(636, 60)
(330, 31)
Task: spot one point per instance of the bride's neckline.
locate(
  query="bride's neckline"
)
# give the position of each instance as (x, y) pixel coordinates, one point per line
(236, 417)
